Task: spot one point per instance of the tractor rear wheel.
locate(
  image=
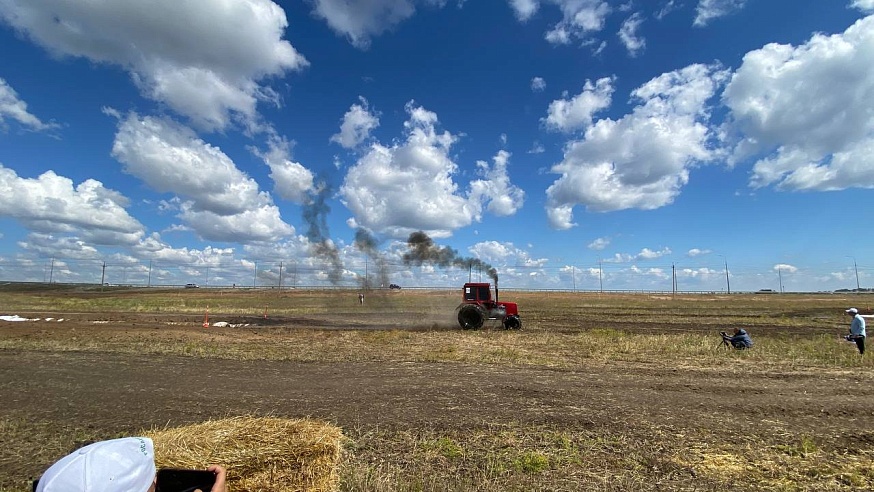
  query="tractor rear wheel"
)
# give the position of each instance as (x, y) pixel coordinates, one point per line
(512, 323)
(471, 317)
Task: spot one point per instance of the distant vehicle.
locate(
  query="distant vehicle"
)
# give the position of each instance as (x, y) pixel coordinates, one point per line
(766, 291)
(394, 286)
(190, 286)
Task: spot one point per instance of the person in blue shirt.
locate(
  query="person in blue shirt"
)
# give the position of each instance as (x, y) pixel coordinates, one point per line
(740, 340)
(857, 330)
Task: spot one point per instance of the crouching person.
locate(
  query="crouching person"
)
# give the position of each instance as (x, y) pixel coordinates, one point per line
(740, 340)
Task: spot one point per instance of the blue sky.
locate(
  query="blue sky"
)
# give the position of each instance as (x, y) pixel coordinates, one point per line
(568, 143)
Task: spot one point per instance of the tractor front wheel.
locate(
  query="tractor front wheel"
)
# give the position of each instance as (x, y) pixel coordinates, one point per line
(512, 323)
(471, 317)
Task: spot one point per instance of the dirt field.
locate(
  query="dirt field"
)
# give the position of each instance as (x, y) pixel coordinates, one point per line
(673, 416)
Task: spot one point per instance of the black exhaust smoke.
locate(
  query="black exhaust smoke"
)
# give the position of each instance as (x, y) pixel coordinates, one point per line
(315, 213)
(424, 251)
(367, 243)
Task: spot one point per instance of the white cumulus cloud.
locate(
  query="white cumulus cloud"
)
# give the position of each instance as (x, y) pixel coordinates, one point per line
(357, 124)
(361, 20)
(697, 252)
(708, 10)
(218, 201)
(569, 114)
(205, 59)
(69, 247)
(502, 196)
(649, 254)
(11, 106)
(619, 258)
(807, 111)
(644, 254)
(524, 9)
(262, 223)
(666, 9)
(579, 19)
(641, 160)
(500, 254)
(153, 247)
(411, 185)
(702, 273)
(292, 181)
(628, 34)
(864, 5)
(52, 204)
(599, 243)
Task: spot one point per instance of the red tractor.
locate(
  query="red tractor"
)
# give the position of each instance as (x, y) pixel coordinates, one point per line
(477, 306)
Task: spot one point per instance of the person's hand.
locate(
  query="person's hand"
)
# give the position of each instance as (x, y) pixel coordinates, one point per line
(221, 476)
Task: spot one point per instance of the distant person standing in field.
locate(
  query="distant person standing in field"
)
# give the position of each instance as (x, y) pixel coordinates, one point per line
(857, 330)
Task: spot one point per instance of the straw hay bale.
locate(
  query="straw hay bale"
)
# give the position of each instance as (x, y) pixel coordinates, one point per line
(260, 453)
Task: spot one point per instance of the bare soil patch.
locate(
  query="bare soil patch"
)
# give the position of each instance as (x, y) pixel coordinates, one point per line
(665, 416)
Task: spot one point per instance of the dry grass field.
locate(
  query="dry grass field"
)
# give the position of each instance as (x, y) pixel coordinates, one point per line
(596, 392)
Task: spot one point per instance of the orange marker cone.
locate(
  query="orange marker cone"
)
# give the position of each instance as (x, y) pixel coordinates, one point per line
(206, 318)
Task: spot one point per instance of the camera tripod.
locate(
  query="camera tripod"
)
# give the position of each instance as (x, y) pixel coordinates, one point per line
(724, 343)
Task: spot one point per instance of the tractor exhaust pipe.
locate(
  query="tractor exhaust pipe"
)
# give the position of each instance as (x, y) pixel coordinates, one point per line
(496, 290)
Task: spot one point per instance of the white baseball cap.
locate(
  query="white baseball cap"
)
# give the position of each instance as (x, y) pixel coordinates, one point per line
(852, 310)
(117, 465)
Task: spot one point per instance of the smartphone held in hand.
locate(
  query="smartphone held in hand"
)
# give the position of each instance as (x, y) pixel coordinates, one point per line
(182, 480)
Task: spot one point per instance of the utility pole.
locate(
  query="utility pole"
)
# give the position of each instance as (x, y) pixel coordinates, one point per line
(149, 284)
(780, 276)
(600, 279)
(280, 276)
(52, 270)
(856, 269)
(574, 276)
(727, 284)
(858, 287)
(255, 276)
(103, 276)
(673, 279)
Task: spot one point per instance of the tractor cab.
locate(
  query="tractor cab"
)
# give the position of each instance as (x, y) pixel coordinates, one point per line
(477, 293)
